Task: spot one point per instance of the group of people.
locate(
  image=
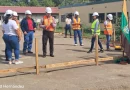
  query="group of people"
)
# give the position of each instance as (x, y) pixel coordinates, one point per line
(75, 23)
(12, 33)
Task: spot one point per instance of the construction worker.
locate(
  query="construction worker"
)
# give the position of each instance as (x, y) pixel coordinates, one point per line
(28, 27)
(15, 17)
(95, 30)
(11, 37)
(48, 25)
(76, 26)
(108, 30)
(68, 26)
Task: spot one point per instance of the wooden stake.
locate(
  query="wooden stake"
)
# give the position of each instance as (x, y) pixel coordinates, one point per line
(96, 50)
(36, 52)
(114, 37)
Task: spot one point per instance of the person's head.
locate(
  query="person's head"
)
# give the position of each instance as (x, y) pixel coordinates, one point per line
(8, 15)
(15, 15)
(109, 17)
(76, 14)
(95, 15)
(28, 14)
(48, 11)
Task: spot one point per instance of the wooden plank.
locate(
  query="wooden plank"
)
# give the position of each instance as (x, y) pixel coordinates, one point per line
(36, 58)
(96, 50)
(16, 69)
(56, 65)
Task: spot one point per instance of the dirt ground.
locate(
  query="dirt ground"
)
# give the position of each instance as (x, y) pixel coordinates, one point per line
(106, 76)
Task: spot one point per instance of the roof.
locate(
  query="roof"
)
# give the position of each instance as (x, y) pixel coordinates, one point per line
(22, 9)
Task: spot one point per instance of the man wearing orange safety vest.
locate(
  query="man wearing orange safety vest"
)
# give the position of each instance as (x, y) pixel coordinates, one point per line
(108, 30)
(76, 26)
(48, 25)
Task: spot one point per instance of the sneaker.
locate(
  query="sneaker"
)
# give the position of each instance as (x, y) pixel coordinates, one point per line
(30, 52)
(10, 62)
(18, 62)
(101, 51)
(89, 51)
(82, 45)
(75, 44)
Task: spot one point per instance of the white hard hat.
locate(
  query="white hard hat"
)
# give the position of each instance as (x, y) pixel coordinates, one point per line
(15, 13)
(110, 16)
(48, 10)
(95, 14)
(28, 12)
(9, 12)
(76, 13)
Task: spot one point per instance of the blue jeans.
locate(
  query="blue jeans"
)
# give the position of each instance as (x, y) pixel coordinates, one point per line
(92, 43)
(11, 43)
(108, 37)
(79, 33)
(28, 40)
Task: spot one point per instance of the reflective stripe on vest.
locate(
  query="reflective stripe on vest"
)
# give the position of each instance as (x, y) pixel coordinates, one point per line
(93, 27)
(47, 22)
(109, 30)
(76, 24)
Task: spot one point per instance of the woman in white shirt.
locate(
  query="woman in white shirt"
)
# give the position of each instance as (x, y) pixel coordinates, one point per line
(11, 37)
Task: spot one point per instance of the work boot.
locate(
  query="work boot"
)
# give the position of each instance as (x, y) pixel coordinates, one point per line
(51, 55)
(90, 51)
(24, 52)
(44, 55)
(101, 50)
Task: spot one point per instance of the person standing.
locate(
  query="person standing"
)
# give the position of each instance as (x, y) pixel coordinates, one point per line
(68, 26)
(95, 27)
(11, 37)
(76, 25)
(48, 25)
(108, 30)
(28, 27)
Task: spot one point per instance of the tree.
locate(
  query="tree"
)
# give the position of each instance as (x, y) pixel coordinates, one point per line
(34, 3)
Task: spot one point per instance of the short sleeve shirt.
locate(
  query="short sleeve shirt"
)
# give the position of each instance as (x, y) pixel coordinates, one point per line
(10, 27)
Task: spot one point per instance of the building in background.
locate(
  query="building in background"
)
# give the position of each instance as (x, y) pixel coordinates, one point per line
(103, 7)
(37, 12)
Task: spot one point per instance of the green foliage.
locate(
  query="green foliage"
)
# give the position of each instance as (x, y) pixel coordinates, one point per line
(50, 3)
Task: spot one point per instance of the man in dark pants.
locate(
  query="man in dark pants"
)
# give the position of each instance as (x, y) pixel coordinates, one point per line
(28, 27)
(48, 24)
(68, 26)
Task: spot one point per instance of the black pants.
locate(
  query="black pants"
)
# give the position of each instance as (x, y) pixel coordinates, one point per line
(48, 35)
(67, 27)
(92, 43)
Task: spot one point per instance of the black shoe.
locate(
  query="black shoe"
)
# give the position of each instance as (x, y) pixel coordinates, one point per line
(30, 52)
(44, 56)
(101, 50)
(51, 55)
(89, 51)
(65, 37)
(70, 37)
(24, 53)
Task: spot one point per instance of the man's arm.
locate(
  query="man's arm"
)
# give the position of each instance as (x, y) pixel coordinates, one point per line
(22, 25)
(41, 24)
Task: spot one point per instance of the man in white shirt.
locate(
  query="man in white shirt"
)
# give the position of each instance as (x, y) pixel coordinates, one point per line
(68, 26)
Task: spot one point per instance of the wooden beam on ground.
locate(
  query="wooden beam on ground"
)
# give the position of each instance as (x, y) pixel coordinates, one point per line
(81, 62)
(56, 65)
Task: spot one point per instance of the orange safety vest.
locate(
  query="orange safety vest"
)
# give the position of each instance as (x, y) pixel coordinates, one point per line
(47, 22)
(109, 30)
(76, 24)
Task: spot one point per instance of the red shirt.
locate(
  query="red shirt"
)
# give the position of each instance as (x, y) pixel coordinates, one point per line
(30, 24)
